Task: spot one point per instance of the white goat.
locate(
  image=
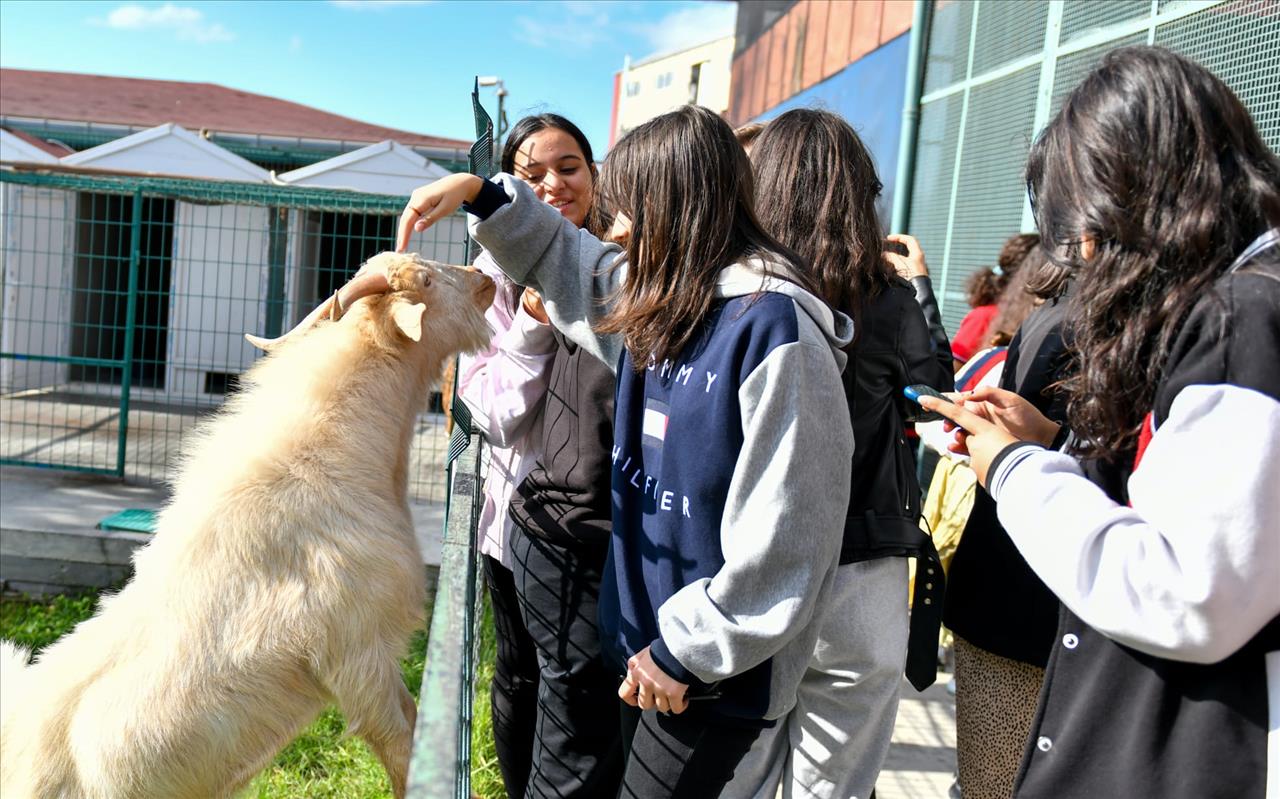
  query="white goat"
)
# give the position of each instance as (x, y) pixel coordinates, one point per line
(284, 574)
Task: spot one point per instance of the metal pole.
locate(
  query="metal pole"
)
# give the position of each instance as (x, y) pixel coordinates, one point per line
(130, 315)
(910, 117)
(277, 247)
(500, 130)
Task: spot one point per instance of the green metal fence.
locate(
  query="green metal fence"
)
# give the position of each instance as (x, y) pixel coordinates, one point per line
(441, 762)
(125, 300)
(996, 70)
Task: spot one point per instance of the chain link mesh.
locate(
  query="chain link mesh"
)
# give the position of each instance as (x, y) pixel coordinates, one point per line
(987, 118)
(125, 301)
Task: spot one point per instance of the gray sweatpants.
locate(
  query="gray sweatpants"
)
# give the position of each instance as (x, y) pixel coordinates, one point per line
(833, 743)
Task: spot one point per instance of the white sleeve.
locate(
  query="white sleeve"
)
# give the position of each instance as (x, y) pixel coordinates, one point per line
(1191, 571)
(504, 385)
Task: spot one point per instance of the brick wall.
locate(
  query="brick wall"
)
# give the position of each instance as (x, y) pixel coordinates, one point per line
(814, 40)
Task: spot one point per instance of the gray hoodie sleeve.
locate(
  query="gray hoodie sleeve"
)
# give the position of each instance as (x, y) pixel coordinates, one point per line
(783, 519)
(575, 272)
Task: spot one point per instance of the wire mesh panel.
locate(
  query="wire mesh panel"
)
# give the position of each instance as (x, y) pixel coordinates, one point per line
(1085, 16)
(1240, 42)
(997, 136)
(996, 70)
(937, 140)
(125, 301)
(947, 56)
(1007, 32)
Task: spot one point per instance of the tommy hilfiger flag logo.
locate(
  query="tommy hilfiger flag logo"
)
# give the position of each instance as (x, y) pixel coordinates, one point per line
(654, 428)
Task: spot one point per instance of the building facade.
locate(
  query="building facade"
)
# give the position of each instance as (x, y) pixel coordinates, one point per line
(989, 75)
(662, 83)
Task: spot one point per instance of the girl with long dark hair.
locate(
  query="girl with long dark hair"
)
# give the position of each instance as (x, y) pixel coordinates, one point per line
(817, 189)
(547, 411)
(1161, 537)
(730, 474)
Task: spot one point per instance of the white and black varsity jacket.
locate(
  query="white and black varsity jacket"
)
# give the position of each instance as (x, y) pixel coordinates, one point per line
(1165, 675)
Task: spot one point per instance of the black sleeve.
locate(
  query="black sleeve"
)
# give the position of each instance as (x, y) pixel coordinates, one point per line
(1231, 336)
(490, 199)
(932, 315)
(1038, 360)
(920, 357)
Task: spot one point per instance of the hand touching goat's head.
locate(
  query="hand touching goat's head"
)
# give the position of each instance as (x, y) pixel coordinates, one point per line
(409, 301)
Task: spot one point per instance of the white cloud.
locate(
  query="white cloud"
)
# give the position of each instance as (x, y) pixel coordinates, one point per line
(584, 25)
(187, 23)
(689, 26)
(376, 5)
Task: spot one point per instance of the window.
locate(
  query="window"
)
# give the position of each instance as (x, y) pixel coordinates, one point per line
(664, 80)
(633, 88)
(695, 76)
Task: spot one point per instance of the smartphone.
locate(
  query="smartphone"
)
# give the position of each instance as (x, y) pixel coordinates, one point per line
(896, 247)
(914, 393)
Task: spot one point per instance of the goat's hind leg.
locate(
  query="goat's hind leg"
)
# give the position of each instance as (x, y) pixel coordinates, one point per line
(380, 709)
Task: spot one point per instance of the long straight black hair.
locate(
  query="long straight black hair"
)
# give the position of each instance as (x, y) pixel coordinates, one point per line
(1158, 164)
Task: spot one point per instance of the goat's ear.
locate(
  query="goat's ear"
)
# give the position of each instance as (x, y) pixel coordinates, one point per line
(408, 318)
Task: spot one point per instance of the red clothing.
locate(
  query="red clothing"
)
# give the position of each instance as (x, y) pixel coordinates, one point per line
(974, 330)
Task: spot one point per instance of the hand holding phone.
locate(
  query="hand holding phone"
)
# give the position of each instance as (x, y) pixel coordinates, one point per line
(914, 393)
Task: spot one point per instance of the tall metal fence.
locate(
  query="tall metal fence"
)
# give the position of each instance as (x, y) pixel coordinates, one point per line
(440, 767)
(995, 72)
(125, 300)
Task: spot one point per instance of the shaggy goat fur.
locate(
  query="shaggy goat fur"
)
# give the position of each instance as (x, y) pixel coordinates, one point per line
(284, 574)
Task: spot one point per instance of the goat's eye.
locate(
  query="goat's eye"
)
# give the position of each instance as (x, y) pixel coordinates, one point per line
(426, 279)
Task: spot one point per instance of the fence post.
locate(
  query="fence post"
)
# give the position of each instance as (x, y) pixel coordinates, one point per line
(130, 315)
(277, 247)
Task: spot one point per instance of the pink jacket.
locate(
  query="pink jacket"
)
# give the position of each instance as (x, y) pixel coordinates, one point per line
(503, 387)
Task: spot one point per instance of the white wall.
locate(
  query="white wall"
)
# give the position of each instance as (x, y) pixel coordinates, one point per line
(387, 172)
(36, 287)
(650, 99)
(218, 293)
(443, 242)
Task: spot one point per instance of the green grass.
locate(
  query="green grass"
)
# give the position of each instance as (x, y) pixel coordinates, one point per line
(319, 764)
(486, 778)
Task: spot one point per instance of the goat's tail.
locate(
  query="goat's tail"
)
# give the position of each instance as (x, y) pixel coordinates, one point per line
(13, 662)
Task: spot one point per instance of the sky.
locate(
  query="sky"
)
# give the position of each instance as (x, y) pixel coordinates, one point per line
(406, 64)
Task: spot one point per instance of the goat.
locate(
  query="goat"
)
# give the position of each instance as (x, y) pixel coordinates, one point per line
(284, 574)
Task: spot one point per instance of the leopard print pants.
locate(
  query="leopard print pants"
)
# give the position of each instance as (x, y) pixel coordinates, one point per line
(995, 706)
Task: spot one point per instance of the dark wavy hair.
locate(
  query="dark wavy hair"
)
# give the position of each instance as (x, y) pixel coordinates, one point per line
(1158, 164)
(816, 186)
(1016, 302)
(987, 285)
(685, 183)
(982, 287)
(595, 222)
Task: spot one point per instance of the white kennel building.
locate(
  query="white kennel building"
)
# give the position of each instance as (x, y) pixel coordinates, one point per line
(209, 272)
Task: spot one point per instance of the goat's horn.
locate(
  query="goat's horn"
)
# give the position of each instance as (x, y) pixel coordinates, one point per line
(334, 307)
(359, 286)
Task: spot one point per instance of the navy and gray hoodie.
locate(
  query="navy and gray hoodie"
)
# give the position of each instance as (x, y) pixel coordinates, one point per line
(731, 466)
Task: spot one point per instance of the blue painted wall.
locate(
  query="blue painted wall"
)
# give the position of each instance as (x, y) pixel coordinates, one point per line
(869, 94)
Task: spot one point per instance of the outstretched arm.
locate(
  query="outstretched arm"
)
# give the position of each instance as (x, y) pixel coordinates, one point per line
(576, 273)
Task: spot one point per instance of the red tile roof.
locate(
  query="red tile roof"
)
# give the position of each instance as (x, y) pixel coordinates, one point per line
(56, 150)
(195, 106)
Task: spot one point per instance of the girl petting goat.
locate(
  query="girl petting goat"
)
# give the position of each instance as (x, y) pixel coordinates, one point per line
(284, 574)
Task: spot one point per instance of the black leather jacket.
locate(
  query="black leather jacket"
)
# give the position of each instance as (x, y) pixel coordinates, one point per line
(900, 342)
